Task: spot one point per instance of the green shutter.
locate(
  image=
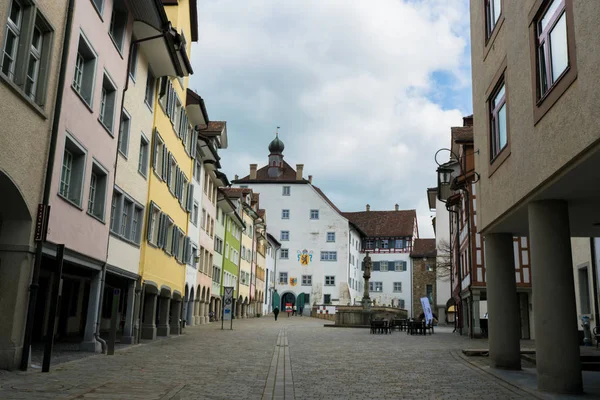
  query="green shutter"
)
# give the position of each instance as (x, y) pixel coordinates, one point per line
(276, 300)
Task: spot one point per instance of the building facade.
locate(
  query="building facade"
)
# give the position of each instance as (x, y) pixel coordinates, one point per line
(534, 78)
(312, 263)
(388, 238)
(28, 110)
(424, 279)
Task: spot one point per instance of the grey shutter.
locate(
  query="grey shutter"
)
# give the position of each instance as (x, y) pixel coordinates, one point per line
(165, 156)
(154, 146)
(186, 250)
(174, 240)
(190, 197)
(194, 143)
(169, 167)
(403, 265)
(149, 223)
(159, 240)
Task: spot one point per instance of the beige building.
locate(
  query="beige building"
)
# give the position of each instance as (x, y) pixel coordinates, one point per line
(31, 36)
(537, 144)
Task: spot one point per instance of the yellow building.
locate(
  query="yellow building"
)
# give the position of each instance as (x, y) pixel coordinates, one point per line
(167, 248)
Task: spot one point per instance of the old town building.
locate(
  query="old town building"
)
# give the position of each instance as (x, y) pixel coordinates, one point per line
(423, 261)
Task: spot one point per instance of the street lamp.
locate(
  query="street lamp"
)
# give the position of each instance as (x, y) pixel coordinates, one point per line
(444, 180)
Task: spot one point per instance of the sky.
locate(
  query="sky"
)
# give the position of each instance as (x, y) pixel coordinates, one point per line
(364, 92)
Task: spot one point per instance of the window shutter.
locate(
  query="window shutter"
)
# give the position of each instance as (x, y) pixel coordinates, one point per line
(159, 240)
(403, 265)
(165, 156)
(186, 250)
(165, 232)
(190, 197)
(174, 241)
(154, 146)
(163, 86)
(169, 167)
(149, 223)
(194, 143)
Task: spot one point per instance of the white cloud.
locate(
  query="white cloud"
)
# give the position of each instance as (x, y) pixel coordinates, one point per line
(349, 82)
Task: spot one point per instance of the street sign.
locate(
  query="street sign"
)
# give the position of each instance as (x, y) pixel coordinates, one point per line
(41, 222)
(227, 305)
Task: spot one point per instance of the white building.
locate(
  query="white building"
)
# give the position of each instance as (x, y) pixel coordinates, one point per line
(314, 260)
(442, 241)
(389, 239)
(271, 263)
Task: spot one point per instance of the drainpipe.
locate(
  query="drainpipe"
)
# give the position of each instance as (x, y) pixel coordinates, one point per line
(34, 286)
(595, 281)
(467, 209)
(100, 302)
(458, 306)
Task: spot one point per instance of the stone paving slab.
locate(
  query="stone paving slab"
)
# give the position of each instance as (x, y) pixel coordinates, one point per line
(298, 356)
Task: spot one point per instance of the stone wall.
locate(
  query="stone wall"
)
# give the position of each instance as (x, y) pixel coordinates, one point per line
(421, 278)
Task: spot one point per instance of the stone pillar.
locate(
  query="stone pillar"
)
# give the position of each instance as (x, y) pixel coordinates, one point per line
(503, 308)
(163, 328)
(197, 312)
(149, 322)
(557, 342)
(190, 313)
(201, 313)
(175, 317)
(128, 334)
(206, 308)
(89, 341)
(476, 314)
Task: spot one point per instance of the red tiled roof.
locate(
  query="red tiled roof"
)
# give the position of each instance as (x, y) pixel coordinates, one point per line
(289, 174)
(424, 248)
(236, 192)
(261, 213)
(215, 126)
(384, 223)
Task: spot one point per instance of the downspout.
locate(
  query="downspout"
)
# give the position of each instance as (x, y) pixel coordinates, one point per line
(34, 286)
(100, 302)
(457, 306)
(595, 280)
(467, 209)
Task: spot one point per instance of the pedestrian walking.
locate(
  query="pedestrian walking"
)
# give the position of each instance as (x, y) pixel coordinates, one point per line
(301, 310)
(276, 312)
(294, 310)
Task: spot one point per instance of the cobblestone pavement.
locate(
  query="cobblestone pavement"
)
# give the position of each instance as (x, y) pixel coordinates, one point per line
(253, 362)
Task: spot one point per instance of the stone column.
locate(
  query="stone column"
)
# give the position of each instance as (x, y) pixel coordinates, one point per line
(89, 341)
(128, 336)
(201, 312)
(163, 328)
(206, 308)
(197, 312)
(190, 316)
(557, 349)
(475, 317)
(503, 308)
(149, 322)
(175, 317)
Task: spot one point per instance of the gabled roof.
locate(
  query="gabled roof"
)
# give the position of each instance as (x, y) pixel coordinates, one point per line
(327, 199)
(424, 248)
(236, 193)
(384, 223)
(262, 176)
(462, 134)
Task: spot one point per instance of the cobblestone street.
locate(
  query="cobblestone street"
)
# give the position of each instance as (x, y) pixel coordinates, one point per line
(253, 362)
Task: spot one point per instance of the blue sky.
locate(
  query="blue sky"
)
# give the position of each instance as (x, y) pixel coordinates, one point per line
(364, 92)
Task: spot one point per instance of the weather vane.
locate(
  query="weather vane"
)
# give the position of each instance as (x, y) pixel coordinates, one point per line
(277, 131)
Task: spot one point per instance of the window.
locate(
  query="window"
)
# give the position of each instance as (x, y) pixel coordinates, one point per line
(306, 280)
(85, 71)
(284, 254)
(429, 292)
(401, 303)
(97, 194)
(329, 280)
(329, 256)
(584, 290)
(285, 214)
(283, 278)
(331, 236)
(158, 156)
(284, 235)
(552, 46)
(218, 245)
(133, 58)
(383, 266)
(72, 172)
(26, 50)
(144, 154)
(118, 24)
(327, 299)
(399, 244)
(286, 190)
(493, 9)
(124, 129)
(397, 286)
(153, 222)
(399, 266)
(107, 103)
(194, 214)
(203, 220)
(126, 218)
(314, 214)
(428, 267)
(375, 286)
(150, 89)
(197, 171)
(99, 4)
(498, 134)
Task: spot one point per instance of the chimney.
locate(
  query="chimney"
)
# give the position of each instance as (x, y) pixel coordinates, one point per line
(299, 168)
(397, 207)
(236, 177)
(368, 207)
(310, 178)
(253, 171)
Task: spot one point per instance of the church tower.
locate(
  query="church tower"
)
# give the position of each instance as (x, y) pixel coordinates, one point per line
(276, 157)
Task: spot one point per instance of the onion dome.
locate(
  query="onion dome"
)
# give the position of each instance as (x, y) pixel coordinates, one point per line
(276, 146)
